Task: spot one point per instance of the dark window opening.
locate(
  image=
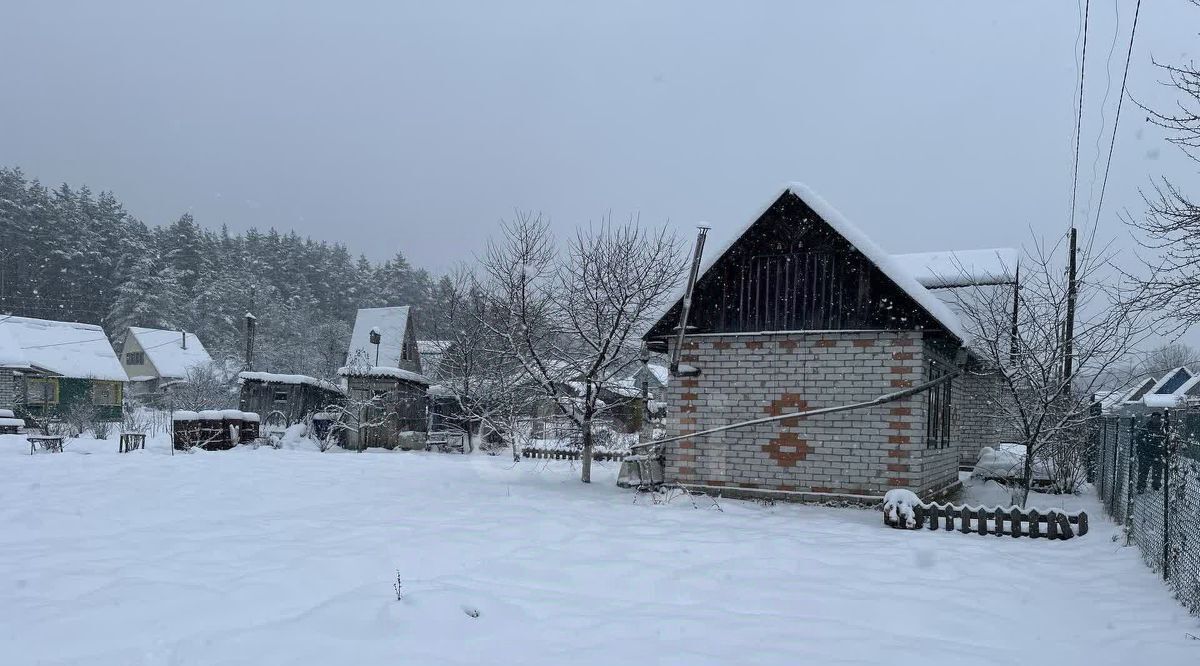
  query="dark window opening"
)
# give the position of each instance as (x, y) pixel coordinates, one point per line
(135, 358)
(939, 402)
(281, 396)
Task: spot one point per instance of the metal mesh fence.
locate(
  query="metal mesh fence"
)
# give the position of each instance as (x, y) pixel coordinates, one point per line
(1147, 473)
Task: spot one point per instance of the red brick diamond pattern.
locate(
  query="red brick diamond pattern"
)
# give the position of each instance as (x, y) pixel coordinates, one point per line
(787, 448)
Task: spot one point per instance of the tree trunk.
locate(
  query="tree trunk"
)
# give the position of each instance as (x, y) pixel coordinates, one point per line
(587, 450)
(1027, 476)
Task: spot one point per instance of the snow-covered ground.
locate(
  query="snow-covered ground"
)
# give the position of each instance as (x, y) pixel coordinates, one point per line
(289, 557)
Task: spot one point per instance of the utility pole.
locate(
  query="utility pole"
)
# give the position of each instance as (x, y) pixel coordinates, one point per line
(1069, 330)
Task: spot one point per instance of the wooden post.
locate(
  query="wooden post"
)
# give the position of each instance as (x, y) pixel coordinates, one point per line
(949, 513)
(1069, 328)
(1083, 524)
(981, 521)
(999, 528)
(1052, 525)
(1016, 521)
(1064, 526)
(1035, 527)
(965, 516)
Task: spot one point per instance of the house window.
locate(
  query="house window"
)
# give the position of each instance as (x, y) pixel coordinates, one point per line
(41, 391)
(281, 396)
(939, 401)
(135, 358)
(405, 352)
(106, 394)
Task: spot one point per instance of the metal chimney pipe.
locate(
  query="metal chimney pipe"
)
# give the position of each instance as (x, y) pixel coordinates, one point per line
(251, 320)
(687, 299)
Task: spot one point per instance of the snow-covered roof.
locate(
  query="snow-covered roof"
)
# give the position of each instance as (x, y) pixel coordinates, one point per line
(385, 371)
(1191, 387)
(392, 324)
(884, 261)
(1171, 381)
(960, 268)
(67, 349)
(433, 346)
(1163, 400)
(275, 378)
(166, 352)
(1143, 386)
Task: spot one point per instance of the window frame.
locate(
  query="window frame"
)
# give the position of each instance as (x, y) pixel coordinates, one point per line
(140, 355)
(275, 393)
(40, 398)
(939, 404)
(116, 393)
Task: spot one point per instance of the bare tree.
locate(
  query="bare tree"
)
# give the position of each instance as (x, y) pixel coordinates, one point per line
(572, 317)
(205, 387)
(1044, 402)
(489, 390)
(1172, 223)
(1165, 358)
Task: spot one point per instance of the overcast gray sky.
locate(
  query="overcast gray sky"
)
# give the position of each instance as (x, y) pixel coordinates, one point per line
(416, 126)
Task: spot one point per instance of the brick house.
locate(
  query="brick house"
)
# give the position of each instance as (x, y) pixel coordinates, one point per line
(803, 311)
(47, 368)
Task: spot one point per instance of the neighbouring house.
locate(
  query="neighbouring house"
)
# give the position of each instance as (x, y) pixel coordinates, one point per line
(384, 382)
(48, 367)
(654, 375)
(286, 399)
(155, 358)
(802, 311)
(431, 353)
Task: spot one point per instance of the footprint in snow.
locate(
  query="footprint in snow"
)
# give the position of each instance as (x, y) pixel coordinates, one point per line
(473, 612)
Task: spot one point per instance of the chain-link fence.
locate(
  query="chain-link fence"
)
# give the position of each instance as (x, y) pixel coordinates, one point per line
(1147, 473)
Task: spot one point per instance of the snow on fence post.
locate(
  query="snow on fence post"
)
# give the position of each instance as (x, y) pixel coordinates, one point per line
(902, 512)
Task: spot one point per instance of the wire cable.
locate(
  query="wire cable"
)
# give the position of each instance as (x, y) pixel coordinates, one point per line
(1117, 120)
(1087, 7)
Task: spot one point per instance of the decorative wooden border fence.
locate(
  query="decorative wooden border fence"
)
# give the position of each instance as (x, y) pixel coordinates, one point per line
(999, 521)
(559, 454)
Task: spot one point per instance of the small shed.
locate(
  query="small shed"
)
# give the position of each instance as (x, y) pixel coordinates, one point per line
(388, 405)
(290, 398)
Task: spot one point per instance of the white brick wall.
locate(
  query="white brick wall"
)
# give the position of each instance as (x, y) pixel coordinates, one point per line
(861, 452)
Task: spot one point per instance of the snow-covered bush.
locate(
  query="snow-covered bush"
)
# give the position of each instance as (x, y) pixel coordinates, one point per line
(898, 506)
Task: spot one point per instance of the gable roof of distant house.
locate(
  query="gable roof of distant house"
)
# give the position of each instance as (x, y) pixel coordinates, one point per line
(392, 324)
(66, 349)
(887, 264)
(1171, 381)
(165, 350)
(961, 268)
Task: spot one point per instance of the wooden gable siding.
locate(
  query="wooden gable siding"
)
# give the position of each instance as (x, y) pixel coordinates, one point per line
(302, 399)
(791, 271)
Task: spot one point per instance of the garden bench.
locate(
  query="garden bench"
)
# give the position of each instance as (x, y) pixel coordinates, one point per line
(49, 443)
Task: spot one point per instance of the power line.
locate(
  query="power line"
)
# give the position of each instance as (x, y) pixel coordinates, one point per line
(1117, 119)
(1079, 114)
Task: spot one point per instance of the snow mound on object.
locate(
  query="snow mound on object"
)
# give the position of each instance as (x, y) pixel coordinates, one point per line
(1006, 461)
(898, 505)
